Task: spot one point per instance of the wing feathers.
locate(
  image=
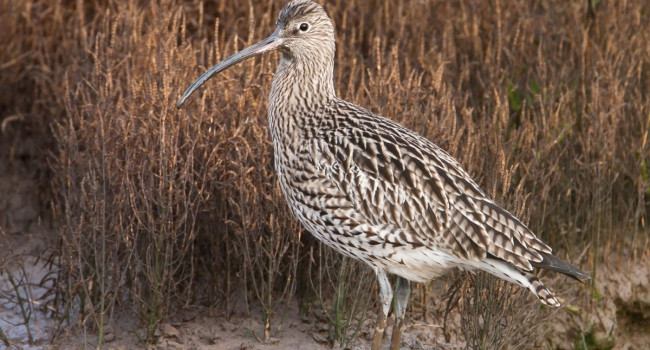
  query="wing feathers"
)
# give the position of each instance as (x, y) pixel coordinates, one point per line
(406, 181)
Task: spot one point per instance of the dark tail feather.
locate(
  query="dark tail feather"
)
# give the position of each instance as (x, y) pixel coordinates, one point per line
(550, 262)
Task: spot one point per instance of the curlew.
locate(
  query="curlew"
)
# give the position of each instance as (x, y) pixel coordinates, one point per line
(374, 190)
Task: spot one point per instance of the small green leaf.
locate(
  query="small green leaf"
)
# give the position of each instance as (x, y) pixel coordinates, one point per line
(572, 308)
(514, 97)
(534, 87)
(595, 293)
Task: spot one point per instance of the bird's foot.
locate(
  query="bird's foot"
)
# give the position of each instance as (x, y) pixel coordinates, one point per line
(379, 332)
(396, 337)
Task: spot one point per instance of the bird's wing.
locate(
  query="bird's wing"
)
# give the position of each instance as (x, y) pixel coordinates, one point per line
(398, 178)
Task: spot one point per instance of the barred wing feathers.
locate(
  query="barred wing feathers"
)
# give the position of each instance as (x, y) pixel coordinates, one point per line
(403, 180)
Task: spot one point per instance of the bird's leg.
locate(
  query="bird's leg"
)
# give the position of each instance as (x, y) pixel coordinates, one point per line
(385, 300)
(401, 299)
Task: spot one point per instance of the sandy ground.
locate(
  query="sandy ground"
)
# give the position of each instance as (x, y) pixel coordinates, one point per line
(199, 330)
(23, 272)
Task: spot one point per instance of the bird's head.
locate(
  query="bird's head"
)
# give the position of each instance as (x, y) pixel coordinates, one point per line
(303, 32)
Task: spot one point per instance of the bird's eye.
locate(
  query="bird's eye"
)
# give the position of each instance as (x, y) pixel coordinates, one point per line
(304, 27)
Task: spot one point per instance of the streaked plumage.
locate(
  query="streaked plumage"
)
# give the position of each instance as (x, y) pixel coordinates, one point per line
(371, 188)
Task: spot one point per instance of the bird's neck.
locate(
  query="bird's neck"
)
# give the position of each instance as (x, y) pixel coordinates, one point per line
(300, 91)
(309, 80)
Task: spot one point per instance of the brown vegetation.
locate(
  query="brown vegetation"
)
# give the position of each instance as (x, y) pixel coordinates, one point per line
(546, 106)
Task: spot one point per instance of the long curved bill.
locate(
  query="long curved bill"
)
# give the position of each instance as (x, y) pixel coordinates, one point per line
(268, 44)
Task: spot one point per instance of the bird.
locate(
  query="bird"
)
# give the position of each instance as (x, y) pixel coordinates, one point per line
(374, 190)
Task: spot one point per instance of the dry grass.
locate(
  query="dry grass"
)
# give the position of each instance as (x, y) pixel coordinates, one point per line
(496, 314)
(156, 208)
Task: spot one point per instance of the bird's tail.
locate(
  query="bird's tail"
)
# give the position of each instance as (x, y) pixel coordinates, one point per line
(508, 272)
(539, 289)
